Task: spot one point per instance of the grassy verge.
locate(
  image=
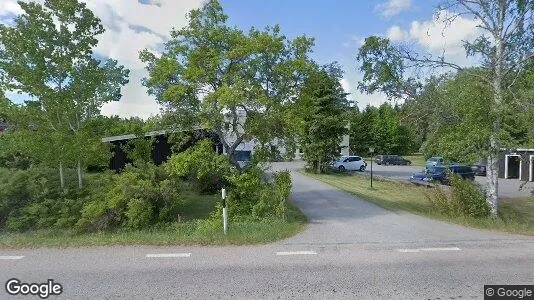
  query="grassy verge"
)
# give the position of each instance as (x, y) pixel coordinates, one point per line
(515, 215)
(417, 160)
(197, 231)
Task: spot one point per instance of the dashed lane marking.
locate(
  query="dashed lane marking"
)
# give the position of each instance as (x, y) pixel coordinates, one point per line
(168, 255)
(297, 253)
(428, 249)
(10, 257)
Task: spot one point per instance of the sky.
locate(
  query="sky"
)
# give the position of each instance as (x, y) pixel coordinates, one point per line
(339, 28)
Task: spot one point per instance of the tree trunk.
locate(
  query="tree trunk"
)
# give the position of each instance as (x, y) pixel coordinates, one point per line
(492, 175)
(61, 176)
(80, 179)
(230, 151)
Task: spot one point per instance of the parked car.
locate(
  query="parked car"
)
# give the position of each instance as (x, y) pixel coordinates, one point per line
(392, 160)
(350, 163)
(479, 168)
(439, 174)
(434, 161)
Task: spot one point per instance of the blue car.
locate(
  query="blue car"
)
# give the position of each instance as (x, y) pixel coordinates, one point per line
(439, 174)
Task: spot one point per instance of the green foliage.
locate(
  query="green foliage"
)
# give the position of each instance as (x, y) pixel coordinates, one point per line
(201, 165)
(139, 213)
(139, 150)
(251, 196)
(467, 199)
(48, 54)
(321, 117)
(119, 203)
(381, 128)
(32, 199)
(252, 76)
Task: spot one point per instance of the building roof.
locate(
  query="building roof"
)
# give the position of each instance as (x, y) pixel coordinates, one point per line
(148, 134)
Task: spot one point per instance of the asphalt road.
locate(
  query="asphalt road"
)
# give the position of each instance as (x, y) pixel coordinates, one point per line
(351, 250)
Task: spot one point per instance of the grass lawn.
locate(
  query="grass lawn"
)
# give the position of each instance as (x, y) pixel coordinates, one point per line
(515, 215)
(194, 229)
(417, 160)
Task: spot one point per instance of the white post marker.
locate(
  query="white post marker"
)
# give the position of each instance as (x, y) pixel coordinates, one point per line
(225, 212)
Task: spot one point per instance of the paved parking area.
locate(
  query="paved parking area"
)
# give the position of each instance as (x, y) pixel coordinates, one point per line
(508, 188)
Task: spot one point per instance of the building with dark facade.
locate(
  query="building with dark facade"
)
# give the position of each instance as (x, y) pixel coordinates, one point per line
(162, 148)
(516, 164)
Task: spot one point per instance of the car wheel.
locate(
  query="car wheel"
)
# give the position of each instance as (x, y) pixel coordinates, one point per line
(362, 168)
(341, 169)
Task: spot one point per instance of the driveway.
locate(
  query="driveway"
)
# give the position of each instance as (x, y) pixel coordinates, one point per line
(339, 218)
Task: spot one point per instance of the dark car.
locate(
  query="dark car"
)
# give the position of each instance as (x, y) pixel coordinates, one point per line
(439, 174)
(479, 168)
(392, 160)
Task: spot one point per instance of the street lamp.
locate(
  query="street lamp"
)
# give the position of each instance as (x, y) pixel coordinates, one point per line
(372, 150)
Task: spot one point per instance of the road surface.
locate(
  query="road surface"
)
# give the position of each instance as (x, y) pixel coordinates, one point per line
(351, 249)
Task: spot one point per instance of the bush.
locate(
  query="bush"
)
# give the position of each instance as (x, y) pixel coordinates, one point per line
(202, 166)
(139, 213)
(136, 198)
(250, 196)
(467, 199)
(33, 199)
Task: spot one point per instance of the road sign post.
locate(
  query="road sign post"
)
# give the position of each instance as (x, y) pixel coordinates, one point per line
(372, 150)
(225, 212)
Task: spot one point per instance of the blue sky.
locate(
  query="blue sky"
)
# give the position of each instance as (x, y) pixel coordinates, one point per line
(337, 26)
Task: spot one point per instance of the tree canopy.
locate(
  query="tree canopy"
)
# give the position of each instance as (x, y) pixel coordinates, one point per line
(232, 82)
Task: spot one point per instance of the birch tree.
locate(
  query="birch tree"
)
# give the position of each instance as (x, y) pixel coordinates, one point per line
(48, 54)
(503, 49)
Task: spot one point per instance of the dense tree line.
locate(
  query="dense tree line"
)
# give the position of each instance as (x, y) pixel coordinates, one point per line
(382, 128)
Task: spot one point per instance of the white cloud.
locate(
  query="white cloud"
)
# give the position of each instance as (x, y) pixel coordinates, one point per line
(393, 7)
(437, 35)
(9, 7)
(130, 27)
(440, 37)
(395, 33)
(135, 101)
(347, 88)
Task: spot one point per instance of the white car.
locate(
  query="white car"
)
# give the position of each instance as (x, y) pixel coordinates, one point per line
(350, 163)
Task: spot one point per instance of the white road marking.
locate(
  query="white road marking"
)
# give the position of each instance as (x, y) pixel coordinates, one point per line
(297, 253)
(11, 257)
(429, 249)
(168, 255)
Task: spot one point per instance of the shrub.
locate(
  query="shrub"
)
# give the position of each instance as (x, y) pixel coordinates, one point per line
(202, 166)
(467, 199)
(33, 199)
(139, 213)
(136, 198)
(250, 196)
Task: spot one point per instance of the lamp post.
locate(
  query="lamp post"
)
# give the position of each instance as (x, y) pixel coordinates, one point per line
(372, 150)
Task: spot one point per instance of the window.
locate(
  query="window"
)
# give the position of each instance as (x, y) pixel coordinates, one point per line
(356, 158)
(241, 155)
